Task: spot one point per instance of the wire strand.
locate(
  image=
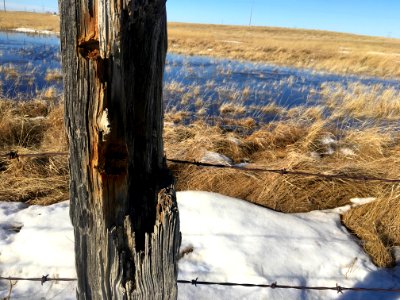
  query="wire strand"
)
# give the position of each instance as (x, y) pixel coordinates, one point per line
(16, 155)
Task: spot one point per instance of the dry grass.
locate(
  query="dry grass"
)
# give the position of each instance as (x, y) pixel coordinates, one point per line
(315, 147)
(9, 71)
(31, 127)
(278, 146)
(358, 101)
(305, 143)
(53, 75)
(377, 224)
(15, 19)
(321, 50)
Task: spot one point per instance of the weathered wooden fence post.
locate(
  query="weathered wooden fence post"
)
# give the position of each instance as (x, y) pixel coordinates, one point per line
(123, 204)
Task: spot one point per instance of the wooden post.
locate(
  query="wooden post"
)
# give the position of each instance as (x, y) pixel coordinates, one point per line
(123, 204)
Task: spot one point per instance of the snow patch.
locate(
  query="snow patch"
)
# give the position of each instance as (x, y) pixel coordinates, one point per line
(232, 240)
(215, 158)
(31, 30)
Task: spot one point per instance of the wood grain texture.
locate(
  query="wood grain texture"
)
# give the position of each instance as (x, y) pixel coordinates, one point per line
(123, 204)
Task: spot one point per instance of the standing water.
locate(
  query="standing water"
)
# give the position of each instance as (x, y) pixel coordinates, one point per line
(195, 85)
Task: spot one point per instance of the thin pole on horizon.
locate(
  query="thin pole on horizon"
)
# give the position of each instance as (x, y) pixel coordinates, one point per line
(4, 3)
(251, 12)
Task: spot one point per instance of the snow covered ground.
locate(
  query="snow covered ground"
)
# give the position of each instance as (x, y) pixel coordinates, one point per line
(232, 241)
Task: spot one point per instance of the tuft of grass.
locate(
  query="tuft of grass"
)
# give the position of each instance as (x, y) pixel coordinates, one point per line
(21, 124)
(9, 71)
(32, 127)
(359, 101)
(377, 224)
(49, 93)
(53, 75)
(232, 109)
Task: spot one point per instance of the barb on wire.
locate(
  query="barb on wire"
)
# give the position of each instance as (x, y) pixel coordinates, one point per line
(16, 155)
(284, 171)
(42, 279)
(275, 285)
(196, 282)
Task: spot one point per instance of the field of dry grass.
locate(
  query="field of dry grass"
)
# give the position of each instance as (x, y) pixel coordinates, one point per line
(299, 143)
(320, 50)
(12, 20)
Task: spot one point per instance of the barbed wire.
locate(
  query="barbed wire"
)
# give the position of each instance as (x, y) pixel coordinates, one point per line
(338, 288)
(16, 155)
(284, 171)
(42, 279)
(275, 285)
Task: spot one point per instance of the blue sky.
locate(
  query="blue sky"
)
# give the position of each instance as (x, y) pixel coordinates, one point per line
(370, 17)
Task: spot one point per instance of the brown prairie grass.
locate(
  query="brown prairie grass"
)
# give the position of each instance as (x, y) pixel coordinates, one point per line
(316, 49)
(15, 19)
(53, 75)
(322, 50)
(360, 101)
(311, 144)
(378, 226)
(31, 127)
(9, 71)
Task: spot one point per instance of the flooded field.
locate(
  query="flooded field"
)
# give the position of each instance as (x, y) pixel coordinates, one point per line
(194, 86)
(26, 63)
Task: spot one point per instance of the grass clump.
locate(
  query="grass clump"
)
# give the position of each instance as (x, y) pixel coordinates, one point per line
(32, 127)
(377, 224)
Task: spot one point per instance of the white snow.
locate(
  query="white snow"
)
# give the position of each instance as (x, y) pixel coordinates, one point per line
(354, 203)
(215, 158)
(232, 240)
(31, 30)
(44, 245)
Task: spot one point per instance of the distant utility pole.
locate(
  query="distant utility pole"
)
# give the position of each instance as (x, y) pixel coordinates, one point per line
(251, 13)
(4, 2)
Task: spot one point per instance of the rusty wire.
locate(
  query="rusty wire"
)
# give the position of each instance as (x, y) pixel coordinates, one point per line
(275, 285)
(16, 155)
(338, 288)
(285, 171)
